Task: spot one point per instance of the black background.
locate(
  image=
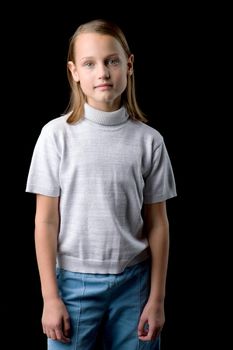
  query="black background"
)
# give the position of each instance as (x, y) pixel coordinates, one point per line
(169, 49)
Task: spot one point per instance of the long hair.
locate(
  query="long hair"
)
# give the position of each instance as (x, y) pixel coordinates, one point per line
(75, 107)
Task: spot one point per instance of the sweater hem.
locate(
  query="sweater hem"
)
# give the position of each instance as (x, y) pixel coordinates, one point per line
(102, 267)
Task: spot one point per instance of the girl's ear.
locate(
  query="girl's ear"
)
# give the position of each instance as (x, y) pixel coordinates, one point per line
(73, 70)
(130, 64)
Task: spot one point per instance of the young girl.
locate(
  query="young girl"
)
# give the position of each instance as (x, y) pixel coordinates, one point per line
(102, 178)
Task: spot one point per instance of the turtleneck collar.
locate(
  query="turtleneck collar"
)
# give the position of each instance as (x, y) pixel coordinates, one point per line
(105, 118)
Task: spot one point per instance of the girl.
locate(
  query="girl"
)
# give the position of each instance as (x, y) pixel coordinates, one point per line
(102, 178)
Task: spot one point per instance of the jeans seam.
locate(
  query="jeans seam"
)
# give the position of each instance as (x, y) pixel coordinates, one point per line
(79, 314)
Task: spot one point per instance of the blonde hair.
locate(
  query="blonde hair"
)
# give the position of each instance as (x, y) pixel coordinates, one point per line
(77, 98)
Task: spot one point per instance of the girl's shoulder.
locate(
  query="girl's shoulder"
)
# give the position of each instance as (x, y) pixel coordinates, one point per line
(147, 131)
(56, 127)
(55, 124)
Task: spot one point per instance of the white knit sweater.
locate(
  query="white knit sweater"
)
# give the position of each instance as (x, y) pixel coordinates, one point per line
(103, 168)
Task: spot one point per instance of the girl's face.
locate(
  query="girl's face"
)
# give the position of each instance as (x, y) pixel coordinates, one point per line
(101, 68)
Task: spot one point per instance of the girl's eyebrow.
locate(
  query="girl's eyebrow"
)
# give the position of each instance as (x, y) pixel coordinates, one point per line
(92, 57)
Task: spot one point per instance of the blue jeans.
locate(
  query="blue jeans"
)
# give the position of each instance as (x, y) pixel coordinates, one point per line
(106, 302)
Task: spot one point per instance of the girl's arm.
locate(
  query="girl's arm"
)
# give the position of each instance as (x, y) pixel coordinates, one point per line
(55, 318)
(157, 229)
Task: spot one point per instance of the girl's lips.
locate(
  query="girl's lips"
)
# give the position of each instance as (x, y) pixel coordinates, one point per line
(103, 86)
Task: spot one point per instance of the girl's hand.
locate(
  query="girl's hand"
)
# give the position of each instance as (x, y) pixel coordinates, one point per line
(56, 321)
(151, 321)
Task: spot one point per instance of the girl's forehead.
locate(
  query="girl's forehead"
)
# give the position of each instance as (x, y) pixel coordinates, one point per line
(94, 41)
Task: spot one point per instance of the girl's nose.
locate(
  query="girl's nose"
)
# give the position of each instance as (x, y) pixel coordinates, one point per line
(103, 72)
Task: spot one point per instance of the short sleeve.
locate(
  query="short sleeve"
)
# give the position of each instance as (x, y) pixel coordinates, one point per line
(159, 179)
(43, 176)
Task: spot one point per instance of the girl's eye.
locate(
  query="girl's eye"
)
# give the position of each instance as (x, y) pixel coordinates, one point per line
(113, 61)
(88, 64)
